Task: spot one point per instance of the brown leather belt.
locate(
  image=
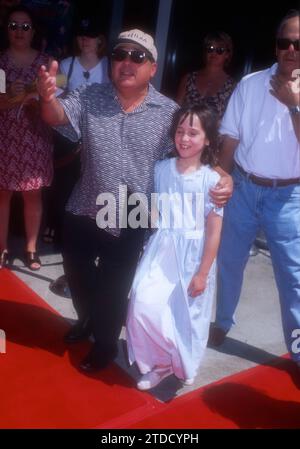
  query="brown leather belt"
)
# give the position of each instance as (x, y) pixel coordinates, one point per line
(267, 182)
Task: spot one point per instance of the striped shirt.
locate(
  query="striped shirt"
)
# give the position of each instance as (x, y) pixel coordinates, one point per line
(118, 148)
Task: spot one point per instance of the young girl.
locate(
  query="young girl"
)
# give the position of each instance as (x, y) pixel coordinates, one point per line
(173, 289)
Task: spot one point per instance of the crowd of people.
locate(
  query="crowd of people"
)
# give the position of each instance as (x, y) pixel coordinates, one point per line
(223, 149)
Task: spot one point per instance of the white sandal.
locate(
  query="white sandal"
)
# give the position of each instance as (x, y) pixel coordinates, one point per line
(189, 381)
(153, 378)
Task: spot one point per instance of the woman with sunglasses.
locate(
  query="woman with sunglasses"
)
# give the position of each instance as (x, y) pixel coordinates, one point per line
(211, 85)
(25, 140)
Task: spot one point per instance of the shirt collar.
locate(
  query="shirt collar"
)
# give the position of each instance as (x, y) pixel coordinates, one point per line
(271, 72)
(153, 97)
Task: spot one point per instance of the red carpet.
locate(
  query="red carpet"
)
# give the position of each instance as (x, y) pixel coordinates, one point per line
(258, 398)
(41, 387)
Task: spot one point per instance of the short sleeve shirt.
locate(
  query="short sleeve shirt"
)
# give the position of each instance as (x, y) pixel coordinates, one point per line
(118, 148)
(268, 146)
(98, 74)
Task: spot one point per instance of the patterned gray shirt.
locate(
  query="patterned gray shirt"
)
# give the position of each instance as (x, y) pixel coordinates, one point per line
(118, 148)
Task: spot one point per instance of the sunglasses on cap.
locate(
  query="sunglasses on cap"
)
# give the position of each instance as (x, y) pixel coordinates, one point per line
(136, 56)
(13, 26)
(284, 43)
(218, 50)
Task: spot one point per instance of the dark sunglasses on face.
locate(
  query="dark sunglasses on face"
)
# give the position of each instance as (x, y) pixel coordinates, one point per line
(13, 26)
(218, 50)
(136, 56)
(284, 44)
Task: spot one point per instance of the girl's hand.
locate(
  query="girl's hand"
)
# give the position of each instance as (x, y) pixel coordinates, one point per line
(17, 88)
(197, 285)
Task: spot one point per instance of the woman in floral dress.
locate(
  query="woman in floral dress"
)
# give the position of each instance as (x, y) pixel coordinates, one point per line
(25, 141)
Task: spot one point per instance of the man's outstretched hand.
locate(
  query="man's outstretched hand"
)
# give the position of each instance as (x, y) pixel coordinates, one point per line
(46, 85)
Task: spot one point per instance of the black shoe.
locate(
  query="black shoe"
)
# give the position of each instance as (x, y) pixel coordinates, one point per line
(216, 336)
(96, 361)
(79, 332)
(60, 287)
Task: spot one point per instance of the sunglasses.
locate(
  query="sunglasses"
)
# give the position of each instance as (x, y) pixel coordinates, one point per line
(284, 44)
(13, 26)
(136, 56)
(218, 50)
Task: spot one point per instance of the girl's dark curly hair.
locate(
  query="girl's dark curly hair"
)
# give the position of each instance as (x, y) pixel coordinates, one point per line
(209, 122)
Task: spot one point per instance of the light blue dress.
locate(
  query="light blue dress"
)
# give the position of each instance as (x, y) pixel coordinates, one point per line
(165, 326)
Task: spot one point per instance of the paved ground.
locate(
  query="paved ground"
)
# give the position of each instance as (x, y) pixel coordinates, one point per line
(256, 339)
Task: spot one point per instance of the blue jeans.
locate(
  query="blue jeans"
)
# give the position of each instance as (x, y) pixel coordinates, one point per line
(276, 210)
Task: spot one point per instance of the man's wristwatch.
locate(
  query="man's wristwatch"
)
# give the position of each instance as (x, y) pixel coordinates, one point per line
(294, 110)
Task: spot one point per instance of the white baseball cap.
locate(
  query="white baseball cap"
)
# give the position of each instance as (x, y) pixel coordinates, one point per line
(136, 36)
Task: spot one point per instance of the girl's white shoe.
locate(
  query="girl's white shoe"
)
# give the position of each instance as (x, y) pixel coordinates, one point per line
(153, 378)
(188, 382)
